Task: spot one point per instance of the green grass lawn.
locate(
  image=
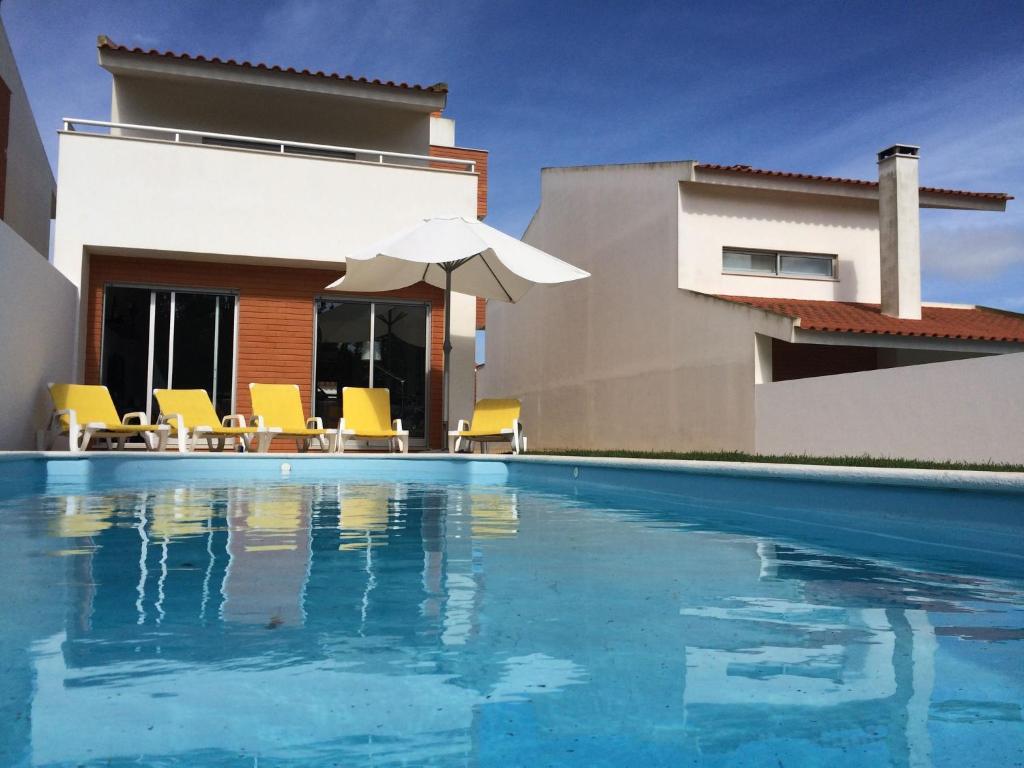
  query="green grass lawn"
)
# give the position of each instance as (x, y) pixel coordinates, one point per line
(835, 461)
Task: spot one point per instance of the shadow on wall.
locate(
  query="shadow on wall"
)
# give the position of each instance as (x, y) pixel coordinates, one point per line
(37, 314)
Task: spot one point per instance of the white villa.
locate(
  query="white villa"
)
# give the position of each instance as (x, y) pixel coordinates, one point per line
(734, 308)
(217, 201)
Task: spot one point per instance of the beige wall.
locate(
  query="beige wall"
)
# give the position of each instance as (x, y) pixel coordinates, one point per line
(250, 110)
(624, 359)
(966, 410)
(712, 217)
(29, 191)
(37, 318)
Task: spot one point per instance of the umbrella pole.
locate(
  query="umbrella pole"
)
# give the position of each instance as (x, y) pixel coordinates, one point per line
(447, 351)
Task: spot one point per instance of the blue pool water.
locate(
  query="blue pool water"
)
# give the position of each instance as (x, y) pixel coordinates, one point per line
(390, 613)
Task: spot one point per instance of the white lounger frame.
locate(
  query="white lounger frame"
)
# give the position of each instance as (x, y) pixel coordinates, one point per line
(327, 441)
(79, 435)
(399, 442)
(188, 440)
(458, 443)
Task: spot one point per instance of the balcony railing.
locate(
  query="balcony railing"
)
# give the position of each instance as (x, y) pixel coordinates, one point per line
(261, 144)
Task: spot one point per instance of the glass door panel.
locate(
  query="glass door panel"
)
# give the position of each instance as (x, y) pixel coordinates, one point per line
(124, 367)
(400, 359)
(342, 354)
(159, 338)
(161, 362)
(396, 360)
(224, 363)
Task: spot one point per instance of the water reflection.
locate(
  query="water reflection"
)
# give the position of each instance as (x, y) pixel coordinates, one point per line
(414, 623)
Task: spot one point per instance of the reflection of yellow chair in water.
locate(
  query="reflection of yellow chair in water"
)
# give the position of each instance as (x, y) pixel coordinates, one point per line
(275, 517)
(83, 517)
(494, 421)
(363, 514)
(85, 411)
(495, 515)
(190, 413)
(181, 512)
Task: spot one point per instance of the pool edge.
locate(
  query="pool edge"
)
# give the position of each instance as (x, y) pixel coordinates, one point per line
(1005, 482)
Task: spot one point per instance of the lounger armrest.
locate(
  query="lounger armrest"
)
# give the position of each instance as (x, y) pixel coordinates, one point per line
(396, 425)
(461, 426)
(257, 421)
(314, 422)
(235, 419)
(341, 425)
(173, 418)
(139, 416)
(73, 425)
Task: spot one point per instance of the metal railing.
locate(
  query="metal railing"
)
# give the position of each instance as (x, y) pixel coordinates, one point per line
(278, 146)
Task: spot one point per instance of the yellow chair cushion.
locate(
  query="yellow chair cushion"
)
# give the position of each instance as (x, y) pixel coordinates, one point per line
(91, 403)
(492, 416)
(367, 411)
(280, 406)
(195, 409)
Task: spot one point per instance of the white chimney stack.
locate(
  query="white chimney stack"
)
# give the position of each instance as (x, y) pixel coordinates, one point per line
(899, 228)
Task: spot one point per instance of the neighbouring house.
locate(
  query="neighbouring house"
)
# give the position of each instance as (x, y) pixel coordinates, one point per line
(36, 301)
(202, 221)
(734, 308)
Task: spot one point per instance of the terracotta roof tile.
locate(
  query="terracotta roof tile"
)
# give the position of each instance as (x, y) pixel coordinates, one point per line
(974, 323)
(839, 180)
(106, 43)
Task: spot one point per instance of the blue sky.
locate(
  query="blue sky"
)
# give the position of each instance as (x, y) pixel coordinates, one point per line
(815, 87)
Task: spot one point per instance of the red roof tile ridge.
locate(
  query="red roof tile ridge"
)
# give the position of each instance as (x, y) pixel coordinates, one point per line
(740, 168)
(951, 322)
(105, 42)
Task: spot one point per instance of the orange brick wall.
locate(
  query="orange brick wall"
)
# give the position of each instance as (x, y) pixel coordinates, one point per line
(480, 156)
(275, 320)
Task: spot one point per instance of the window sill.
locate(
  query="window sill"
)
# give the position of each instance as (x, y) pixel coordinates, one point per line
(781, 277)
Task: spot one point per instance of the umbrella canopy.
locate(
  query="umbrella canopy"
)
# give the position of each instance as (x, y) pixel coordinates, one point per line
(482, 261)
(457, 254)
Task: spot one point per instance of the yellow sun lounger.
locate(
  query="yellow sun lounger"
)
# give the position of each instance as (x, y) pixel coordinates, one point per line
(493, 421)
(86, 411)
(192, 418)
(368, 417)
(277, 408)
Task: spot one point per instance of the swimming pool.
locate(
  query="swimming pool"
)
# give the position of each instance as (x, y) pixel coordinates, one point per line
(302, 611)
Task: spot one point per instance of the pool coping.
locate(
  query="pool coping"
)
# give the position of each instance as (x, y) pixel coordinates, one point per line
(951, 479)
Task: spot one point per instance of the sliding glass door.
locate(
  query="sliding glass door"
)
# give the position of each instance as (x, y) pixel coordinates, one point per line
(373, 344)
(156, 338)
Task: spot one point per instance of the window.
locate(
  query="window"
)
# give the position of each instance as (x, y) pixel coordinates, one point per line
(778, 263)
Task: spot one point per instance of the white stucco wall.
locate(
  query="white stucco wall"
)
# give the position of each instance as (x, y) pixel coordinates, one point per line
(173, 200)
(248, 110)
(712, 217)
(37, 318)
(162, 196)
(624, 359)
(28, 199)
(965, 410)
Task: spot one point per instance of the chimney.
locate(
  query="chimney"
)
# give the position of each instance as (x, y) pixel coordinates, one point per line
(899, 230)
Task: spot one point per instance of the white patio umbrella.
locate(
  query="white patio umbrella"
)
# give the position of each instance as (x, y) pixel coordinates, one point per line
(457, 254)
